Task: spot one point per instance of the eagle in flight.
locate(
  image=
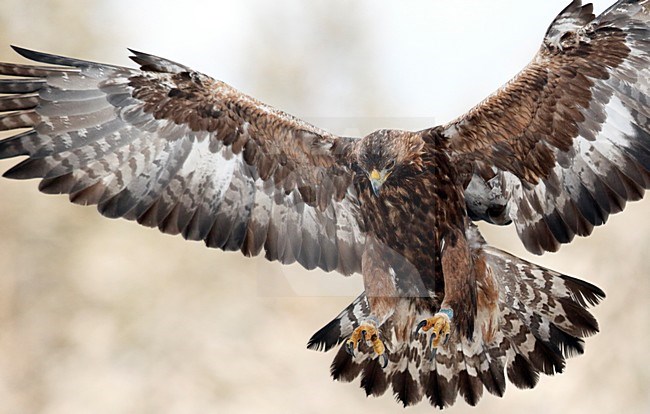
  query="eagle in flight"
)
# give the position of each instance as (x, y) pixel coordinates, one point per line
(555, 151)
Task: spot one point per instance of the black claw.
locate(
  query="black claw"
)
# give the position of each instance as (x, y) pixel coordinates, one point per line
(363, 334)
(383, 360)
(421, 325)
(349, 348)
(446, 339)
(431, 338)
(433, 353)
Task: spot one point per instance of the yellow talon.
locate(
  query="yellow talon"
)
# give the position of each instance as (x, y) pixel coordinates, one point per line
(439, 325)
(367, 332)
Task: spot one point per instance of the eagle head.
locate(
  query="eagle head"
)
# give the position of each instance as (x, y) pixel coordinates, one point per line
(387, 156)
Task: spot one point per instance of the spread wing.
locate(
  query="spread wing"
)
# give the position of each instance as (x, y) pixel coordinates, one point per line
(567, 141)
(173, 148)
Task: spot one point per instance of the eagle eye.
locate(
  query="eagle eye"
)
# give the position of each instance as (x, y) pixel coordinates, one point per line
(390, 165)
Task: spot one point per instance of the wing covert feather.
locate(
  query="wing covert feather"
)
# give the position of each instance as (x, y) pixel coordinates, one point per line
(565, 143)
(175, 149)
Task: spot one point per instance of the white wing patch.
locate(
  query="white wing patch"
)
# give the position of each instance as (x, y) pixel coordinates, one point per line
(147, 145)
(618, 128)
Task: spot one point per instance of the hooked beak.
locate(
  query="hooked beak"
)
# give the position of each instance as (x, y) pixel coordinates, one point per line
(377, 179)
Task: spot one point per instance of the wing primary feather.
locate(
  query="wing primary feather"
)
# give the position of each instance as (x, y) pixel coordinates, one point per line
(57, 60)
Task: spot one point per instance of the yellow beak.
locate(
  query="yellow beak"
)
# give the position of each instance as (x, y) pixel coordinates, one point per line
(377, 179)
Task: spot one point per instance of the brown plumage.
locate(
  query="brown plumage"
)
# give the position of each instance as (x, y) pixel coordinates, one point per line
(558, 149)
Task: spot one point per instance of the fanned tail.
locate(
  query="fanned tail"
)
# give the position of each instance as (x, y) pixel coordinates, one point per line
(530, 319)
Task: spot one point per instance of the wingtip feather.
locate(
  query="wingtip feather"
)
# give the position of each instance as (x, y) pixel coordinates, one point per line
(36, 56)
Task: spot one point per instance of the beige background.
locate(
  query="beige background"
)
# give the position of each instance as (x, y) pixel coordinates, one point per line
(101, 316)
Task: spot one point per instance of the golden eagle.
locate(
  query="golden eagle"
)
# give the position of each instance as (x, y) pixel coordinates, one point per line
(555, 151)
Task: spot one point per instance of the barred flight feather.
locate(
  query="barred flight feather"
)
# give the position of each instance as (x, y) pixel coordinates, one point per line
(132, 142)
(586, 150)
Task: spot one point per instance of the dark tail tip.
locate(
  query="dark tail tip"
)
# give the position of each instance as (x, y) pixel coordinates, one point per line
(583, 292)
(327, 337)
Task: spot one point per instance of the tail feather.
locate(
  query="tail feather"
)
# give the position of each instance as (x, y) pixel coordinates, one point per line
(521, 372)
(554, 305)
(373, 378)
(440, 389)
(493, 377)
(345, 368)
(341, 327)
(538, 322)
(584, 293)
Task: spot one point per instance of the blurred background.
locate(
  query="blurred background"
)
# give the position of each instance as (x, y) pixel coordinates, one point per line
(104, 316)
